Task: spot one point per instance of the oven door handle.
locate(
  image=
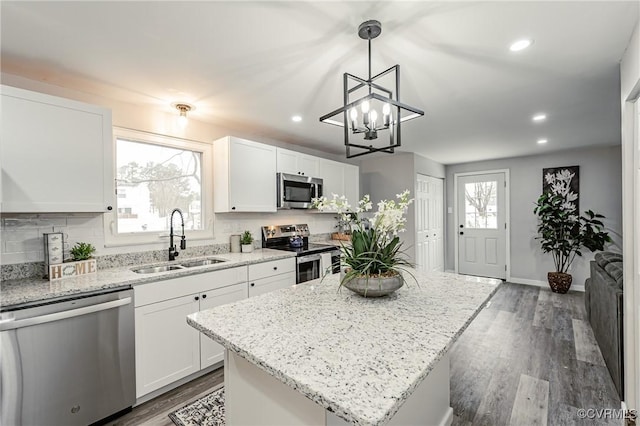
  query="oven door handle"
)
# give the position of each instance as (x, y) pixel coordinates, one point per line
(308, 258)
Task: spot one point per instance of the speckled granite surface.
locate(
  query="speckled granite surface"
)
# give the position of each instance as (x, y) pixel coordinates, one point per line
(36, 269)
(14, 293)
(361, 358)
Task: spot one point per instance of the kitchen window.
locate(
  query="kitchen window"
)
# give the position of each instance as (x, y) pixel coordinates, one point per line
(153, 175)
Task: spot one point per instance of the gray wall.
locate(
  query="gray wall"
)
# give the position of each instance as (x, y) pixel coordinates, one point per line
(383, 177)
(600, 191)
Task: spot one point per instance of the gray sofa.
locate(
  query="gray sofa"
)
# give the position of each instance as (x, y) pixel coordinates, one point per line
(603, 302)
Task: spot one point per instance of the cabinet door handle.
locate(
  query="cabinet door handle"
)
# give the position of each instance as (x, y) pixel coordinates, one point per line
(461, 233)
(204, 296)
(233, 208)
(197, 298)
(253, 284)
(109, 208)
(275, 268)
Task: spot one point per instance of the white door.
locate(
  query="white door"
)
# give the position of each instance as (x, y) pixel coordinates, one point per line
(429, 223)
(481, 227)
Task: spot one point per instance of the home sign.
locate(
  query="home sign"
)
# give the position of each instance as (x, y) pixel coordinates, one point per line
(72, 269)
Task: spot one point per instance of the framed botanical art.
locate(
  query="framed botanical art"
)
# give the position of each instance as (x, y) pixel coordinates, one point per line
(564, 181)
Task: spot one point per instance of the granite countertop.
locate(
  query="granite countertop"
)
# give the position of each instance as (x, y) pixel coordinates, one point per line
(32, 290)
(360, 358)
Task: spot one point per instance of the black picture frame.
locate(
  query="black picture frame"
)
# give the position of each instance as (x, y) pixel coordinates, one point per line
(557, 179)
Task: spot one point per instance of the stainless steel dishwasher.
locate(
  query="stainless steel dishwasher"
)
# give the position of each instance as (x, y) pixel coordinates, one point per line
(71, 362)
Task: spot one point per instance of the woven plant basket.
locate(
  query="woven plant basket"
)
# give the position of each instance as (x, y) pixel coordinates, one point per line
(559, 282)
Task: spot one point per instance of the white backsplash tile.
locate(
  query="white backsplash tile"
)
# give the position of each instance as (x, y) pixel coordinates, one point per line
(21, 234)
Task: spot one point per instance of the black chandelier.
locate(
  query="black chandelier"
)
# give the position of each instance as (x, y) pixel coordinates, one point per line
(360, 116)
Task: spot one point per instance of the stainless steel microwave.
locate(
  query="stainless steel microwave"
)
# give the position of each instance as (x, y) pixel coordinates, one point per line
(297, 191)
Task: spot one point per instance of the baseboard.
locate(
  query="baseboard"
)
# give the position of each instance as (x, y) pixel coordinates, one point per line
(542, 284)
(450, 271)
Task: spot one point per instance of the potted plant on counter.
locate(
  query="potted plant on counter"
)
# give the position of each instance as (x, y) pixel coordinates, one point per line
(563, 233)
(246, 240)
(374, 261)
(82, 251)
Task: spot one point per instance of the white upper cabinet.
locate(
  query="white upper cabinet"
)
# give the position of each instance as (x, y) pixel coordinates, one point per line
(297, 163)
(56, 154)
(352, 183)
(244, 176)
(332, 174)
(341, 179)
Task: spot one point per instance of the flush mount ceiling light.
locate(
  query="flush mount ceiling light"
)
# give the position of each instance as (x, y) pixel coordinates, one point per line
(542, 141)
(296, 118)
(369, 107)
(520, 45)
(539, 117)
(183, 108)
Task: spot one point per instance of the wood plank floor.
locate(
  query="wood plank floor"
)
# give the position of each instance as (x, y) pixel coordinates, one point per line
(156, 412)
(529, 358)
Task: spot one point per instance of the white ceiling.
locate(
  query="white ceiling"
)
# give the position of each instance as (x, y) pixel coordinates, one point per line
(252, 65)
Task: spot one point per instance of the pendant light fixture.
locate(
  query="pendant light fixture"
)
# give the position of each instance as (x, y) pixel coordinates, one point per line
(369, 107)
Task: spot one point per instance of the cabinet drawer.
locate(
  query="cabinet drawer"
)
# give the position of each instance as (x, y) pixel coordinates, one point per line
(276, 282)
(275, 267)
(177, 287)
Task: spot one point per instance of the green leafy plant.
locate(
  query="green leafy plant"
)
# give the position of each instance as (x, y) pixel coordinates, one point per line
(246, 238)
(82, 251)
(563, 233)
(375, 249)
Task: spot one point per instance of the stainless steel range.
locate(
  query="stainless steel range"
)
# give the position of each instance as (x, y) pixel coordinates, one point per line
(312, 260)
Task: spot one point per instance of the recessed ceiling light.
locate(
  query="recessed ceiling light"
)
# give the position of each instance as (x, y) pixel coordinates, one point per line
(539, 117)
(296, 118)
(542, 141)
(520, 45)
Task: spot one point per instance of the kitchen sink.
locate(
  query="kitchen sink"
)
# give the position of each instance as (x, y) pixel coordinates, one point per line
(201, 262)
(156, 269)
(181, 265)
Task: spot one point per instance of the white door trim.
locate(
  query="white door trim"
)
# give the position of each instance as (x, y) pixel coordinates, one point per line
(507, 214)
(631, 245)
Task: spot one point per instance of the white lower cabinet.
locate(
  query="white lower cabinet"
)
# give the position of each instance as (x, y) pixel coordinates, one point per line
(210, 351)
(265, 285)
(167, 348)
(269, 276)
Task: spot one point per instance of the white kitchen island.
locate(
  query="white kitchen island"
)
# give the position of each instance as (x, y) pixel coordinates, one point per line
(314, 355)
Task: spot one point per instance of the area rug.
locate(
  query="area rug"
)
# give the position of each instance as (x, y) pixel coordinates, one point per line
(206, 411)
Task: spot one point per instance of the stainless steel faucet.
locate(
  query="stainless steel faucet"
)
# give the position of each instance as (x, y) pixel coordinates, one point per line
(173, 252)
